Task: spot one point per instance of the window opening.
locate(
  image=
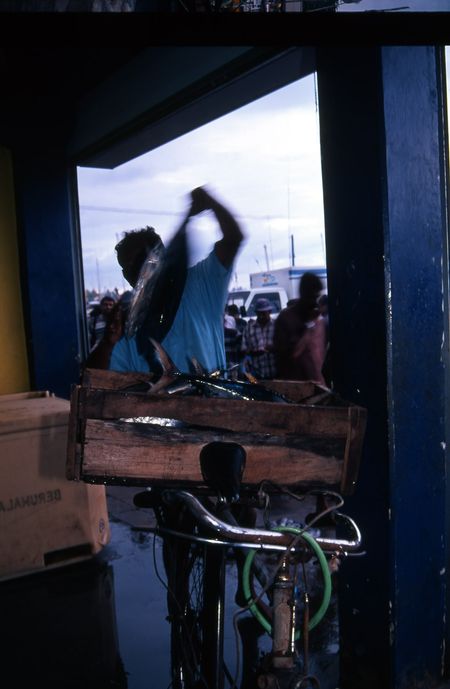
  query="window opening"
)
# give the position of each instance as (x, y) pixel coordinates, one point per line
(263, 160)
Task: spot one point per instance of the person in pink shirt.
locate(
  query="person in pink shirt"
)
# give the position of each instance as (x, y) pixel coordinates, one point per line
(300, 335)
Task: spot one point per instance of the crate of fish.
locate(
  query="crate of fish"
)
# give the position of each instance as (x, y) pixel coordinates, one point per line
(125, 430)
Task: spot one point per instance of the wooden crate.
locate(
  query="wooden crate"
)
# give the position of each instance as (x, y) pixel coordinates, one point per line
(314, 442)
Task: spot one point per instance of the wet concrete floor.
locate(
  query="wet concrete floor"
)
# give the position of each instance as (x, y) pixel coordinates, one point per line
(102, 623)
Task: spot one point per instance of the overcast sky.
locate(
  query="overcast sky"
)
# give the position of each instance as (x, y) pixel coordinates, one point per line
(262, 160)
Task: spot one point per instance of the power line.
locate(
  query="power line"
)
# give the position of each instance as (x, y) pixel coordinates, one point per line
(144, 211)
(148, 211)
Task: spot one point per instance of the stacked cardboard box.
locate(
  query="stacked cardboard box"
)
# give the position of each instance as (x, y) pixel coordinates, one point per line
(45, 520)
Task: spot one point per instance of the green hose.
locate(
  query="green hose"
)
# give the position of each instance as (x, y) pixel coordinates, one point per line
(316, 618)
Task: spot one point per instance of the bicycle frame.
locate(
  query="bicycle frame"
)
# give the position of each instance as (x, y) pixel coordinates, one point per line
(216, 536)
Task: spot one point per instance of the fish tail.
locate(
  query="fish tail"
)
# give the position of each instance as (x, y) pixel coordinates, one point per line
(169, 368)
(170, 371)
(251, 378)
(198, 368)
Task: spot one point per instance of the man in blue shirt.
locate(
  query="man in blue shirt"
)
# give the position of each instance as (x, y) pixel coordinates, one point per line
(197, 327)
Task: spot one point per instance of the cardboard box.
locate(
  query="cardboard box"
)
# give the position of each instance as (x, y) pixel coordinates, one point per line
(314, 442)
(45, 520)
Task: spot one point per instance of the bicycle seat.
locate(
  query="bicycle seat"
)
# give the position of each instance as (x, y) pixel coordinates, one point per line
(222, 465)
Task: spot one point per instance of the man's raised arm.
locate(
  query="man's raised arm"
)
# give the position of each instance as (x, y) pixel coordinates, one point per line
(227, 247)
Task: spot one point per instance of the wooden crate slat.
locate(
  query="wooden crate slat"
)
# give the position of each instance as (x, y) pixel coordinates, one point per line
(114, 450)
(112, 380)
(232, 414)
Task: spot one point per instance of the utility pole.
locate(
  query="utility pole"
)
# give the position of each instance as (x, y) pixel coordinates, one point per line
(267, 258)
(98, 276)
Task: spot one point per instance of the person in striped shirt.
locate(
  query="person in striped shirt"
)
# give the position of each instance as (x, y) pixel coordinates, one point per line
(257, 342)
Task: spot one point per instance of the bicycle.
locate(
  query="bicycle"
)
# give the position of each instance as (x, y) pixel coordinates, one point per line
(200, 531)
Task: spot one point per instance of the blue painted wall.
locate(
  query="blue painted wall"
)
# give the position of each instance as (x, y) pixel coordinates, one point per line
(386, 230)
(417, 329)
(49, 282)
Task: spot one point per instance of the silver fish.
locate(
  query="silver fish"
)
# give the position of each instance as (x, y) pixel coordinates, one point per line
(208, 385)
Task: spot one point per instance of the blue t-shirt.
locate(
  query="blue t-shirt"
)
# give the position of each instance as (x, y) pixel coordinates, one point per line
(197, 329)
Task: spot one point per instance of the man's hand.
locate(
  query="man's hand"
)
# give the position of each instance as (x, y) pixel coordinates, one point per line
(201, 201)
(227, 247)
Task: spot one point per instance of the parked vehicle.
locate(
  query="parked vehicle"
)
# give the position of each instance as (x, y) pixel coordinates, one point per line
(287, 278)
(247, 298)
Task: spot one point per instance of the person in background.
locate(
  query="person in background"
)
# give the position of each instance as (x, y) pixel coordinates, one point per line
(233, 310)
(257, 342)
(300, 335)
(100, 354)
(98, 319)
(230, 338)
(228, 321)
(233, 329)
(125, 301)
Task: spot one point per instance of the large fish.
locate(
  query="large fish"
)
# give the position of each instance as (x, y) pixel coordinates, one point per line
(208, 384)
(158, 292)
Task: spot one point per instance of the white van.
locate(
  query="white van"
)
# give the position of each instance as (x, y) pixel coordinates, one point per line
(246, 299)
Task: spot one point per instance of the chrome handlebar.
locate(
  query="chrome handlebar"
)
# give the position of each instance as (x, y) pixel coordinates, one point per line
(223, 533)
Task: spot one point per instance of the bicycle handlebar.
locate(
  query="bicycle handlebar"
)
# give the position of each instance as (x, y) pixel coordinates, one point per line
(239, 536)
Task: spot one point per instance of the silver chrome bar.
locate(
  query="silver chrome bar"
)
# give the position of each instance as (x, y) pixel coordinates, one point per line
(240, 536)
(163, 531)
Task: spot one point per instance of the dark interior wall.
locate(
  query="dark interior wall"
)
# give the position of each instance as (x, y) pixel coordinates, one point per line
(163, 93)
(351, 124)
(153, 83)
(385, 195)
